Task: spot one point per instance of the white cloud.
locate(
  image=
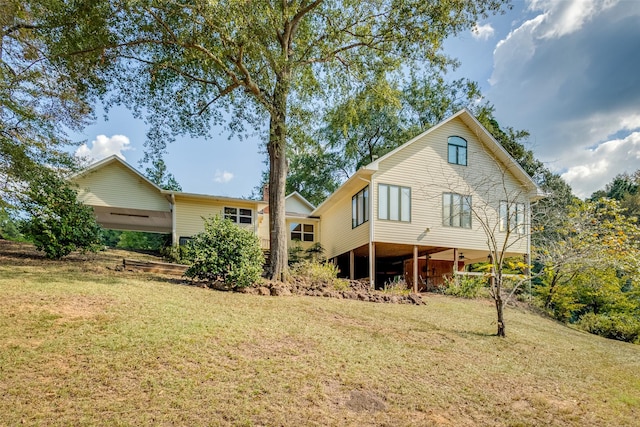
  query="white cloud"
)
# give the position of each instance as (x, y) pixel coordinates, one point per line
(556, 75)
(597, 166)
(555, 19)
(482, 32)
(104, 146)
(566, 16)
(222, 177)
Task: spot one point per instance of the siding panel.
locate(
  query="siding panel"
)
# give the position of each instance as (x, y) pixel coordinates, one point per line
(116, 186)
(190, 214)
(337, 235)
(423, 166)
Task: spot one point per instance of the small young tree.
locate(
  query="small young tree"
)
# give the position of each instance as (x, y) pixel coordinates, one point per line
(226, 252)
(58, 223)
(497, 205)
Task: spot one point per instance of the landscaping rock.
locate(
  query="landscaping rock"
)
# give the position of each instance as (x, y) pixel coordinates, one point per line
(357, 290)
(416, 299)
(263, 291)
(279, 291)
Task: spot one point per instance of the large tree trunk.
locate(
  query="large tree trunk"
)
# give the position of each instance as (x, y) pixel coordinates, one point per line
(277, 180)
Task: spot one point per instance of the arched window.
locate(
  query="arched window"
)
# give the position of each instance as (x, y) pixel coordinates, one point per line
(457, 151)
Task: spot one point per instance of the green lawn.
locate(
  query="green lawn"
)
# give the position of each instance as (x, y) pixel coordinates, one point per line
(82, 344)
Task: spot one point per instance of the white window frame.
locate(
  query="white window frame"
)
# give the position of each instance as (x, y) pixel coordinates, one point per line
(399, 197)
(512, 213)
(305, 231)
(238, 215)
(456, 210)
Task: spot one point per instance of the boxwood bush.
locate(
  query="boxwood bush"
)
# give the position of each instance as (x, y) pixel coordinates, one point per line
(225, 252)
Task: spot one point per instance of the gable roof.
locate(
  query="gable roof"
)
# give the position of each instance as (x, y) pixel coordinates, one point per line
(113, 159)
(486, 138)
(302, 199)
(365, 172)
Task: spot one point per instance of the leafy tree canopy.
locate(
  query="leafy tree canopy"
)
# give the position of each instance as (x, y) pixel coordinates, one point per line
(159, 175)
(40, 98)
(57, 222)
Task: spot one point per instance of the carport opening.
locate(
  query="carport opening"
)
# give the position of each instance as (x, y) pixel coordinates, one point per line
(139, 241)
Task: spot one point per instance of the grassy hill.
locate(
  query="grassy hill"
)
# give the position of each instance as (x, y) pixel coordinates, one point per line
(83, 344)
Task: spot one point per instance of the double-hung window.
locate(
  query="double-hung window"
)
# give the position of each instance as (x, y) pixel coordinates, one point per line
(394, 203)
(302, 232)
(238, 215)
(457, 153)
(512, 217)
(456, 210)
(360, 207)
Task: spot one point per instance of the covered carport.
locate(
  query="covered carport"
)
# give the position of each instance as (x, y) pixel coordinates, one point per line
(124, 199)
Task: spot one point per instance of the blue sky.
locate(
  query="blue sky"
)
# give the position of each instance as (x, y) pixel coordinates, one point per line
(568, 71)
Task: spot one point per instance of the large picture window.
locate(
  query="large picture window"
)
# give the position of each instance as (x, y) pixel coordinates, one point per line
(302, 232)
(512, 217)
(456, 210)
(457, 150)
(360, 207)
(238, 215)
(394, 203)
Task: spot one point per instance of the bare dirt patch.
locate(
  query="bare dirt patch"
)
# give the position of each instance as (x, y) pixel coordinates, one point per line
(365, 401)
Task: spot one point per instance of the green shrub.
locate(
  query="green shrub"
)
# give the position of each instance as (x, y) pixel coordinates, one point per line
(177, 254)
(58, 224)
(318, 272)
(296, 253)
(225, 252)
(464, 286)
(617, 326)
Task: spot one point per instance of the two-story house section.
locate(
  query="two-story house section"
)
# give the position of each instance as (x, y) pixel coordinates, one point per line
(429, 205)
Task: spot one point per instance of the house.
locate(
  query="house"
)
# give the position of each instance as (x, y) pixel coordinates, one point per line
(124, 199)
(422, 210)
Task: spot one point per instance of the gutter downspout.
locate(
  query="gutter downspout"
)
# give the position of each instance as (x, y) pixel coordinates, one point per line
(529, 247)
(372, 260)
(174, 237)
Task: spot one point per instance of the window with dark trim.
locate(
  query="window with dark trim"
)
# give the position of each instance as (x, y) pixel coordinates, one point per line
(238, 215)
(394, 203)
(360, 207)
(457, 153)
(302, 232)
(512, 217)
(183, 240)
(456, 210)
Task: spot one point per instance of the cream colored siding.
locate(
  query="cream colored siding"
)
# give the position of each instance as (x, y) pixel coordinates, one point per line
(423, 166)
(191, 211)
(337, 235)
(293, 204)
(116, 186)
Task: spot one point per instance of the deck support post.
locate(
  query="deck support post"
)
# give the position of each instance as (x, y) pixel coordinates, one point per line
(372, 264)
(352, 266)
(455, 260)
